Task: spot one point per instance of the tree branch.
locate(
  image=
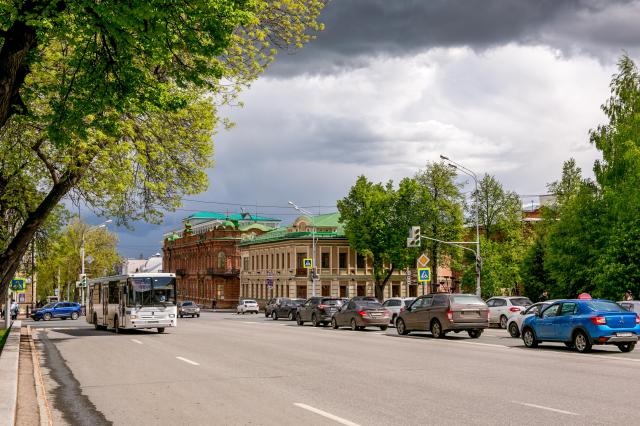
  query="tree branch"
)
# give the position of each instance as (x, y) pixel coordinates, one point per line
(45, 160)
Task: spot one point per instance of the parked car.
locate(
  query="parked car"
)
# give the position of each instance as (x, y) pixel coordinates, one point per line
(62, 310)
(188, 308)
(359, 314)
(442, 313)
(500, 308)
(583, 323)
(272, 303)
(318, 310)
(286, 309)
(631, 306)
(247, 306)
(395, 305)
(514, 325)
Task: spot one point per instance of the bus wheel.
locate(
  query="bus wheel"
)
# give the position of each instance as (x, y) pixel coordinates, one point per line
(95, 322)
(160, 329)
(116, 329)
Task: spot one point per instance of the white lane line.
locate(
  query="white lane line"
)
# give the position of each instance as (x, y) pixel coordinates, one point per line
(485, 344)
(188, 361)
(542, 407)
(325, 414)
(136, 341)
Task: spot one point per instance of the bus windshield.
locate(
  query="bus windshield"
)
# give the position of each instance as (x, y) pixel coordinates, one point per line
(152, 291)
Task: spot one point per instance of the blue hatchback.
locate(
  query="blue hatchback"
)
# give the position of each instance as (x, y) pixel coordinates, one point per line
(62, 310)
(581, 324)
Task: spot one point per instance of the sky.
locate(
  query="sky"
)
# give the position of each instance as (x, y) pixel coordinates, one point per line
(504, 87)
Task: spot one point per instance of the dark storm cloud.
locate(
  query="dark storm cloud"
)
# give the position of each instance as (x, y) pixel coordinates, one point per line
(359, 29)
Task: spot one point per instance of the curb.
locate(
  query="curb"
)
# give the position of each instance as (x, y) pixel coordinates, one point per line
(9, 375)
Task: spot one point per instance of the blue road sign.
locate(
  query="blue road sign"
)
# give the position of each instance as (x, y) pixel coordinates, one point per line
(424, 275)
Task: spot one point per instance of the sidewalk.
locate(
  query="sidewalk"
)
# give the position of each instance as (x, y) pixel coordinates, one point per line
(9, 375)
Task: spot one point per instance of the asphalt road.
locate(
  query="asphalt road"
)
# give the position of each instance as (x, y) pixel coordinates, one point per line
(241, 370)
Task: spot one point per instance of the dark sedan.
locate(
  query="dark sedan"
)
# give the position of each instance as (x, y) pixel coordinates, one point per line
(318, 310)
(287, 308)
(359, 314)
(62, 310)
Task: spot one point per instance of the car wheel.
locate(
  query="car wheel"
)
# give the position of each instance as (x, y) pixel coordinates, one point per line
(95, 321)
(529, 338)
(384, 327)
(503, 321)
(266, 314)
(181, 315)
(299, 320)
(160, 329)
(198, 315)
(513, 330)
(36, 319)
(46, 317)
(474, 334)
(393, 319)
(291, 316)
(354, 326)
(116, 328)
(274, 316)
(581, 342)
(400, 327)
(334, 323)
(436, 329)
(314, 321)
(627, 347)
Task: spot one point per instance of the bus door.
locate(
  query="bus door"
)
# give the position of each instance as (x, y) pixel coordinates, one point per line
(105, 304)
(122, 301)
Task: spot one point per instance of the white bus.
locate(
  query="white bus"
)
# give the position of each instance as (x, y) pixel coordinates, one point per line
(134, 301)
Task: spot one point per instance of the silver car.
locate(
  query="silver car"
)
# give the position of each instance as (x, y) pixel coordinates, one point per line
(502, 307)
(395, 305)
(514, 324)
(188, 308)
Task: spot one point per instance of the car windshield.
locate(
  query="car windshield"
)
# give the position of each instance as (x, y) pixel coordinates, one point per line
(467, 299)
(187, 303)
(368, 304)
(152, 291)
(298, 302)
(521, 301)
(331, 302)
(599, 305)
(248, 302)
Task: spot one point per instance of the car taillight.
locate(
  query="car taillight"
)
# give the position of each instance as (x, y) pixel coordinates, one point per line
(637, 319)
(321, 307)
(514, 309)
(386, 313)
(362, 313)
(450, 315)
(599, 320)
(402, 309)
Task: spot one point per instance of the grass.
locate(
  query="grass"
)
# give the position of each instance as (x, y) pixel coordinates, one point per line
(3, 337)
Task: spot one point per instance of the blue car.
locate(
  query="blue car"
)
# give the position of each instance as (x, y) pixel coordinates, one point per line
(580, 324)
(62, 310)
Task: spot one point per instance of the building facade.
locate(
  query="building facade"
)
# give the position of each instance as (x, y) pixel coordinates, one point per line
(273, 264)
(207, 263)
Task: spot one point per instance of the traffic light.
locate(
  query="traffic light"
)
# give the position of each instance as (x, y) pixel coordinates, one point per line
(83, 280)
(414, 237)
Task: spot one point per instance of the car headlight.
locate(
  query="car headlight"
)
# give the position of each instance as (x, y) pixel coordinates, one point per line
(172, 315)
(134, 317)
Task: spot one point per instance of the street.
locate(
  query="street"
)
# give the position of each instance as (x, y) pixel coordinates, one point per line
(228, 369)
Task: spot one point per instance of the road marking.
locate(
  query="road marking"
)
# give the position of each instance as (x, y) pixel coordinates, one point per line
(485, 344)
(325, 414)
(542, 407)
(188, 361)
(136, 341)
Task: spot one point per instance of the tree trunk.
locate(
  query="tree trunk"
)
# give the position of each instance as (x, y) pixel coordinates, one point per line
(379, 286)
(19, 40)
(10, 258)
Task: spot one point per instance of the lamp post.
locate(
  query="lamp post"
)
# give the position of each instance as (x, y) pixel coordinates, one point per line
(470, 173)
(314, 275)
(102, 225)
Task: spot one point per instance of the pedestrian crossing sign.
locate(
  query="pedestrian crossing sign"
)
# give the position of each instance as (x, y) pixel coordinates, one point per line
(424, 275)
(307, 262)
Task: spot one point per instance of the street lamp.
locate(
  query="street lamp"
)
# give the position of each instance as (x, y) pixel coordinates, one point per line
(469, 172)
(102, 225)
(314, 274)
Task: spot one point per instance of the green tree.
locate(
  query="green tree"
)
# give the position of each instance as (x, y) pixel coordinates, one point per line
(114, 104)
(374, 229)
(499, 211)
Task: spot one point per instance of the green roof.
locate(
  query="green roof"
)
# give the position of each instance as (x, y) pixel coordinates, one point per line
(232, 216)
(330, 220)
(257, 226)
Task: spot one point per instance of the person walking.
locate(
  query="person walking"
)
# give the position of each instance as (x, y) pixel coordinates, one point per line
(15, 310)
(544, 296)
(628, 295)
(214, 302)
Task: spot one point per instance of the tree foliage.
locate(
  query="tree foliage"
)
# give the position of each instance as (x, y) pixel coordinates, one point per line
(115, 103)
(499, 211)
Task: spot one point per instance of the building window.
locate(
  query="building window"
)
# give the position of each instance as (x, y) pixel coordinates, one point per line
(246, 263)
(277, 261)
(360, 261)
(324, 260)
(342, 260)
(326, 290)
(220, 292)
(221, 260)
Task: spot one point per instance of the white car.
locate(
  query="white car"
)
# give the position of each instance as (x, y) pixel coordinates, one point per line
(631, 305)
(247, 306)
(501, 308)
(514, 324)
(395, 305)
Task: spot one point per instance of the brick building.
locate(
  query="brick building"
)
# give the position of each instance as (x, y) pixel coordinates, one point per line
(205, 255)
